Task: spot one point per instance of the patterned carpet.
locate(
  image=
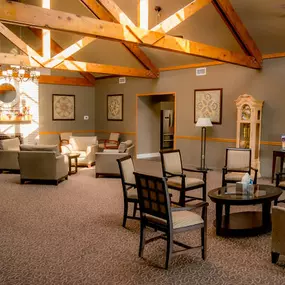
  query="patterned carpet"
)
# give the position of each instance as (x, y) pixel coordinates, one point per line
(72, 234)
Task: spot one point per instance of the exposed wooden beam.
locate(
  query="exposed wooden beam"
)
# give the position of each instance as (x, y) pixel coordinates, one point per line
(274, 55)
(56, 48)
(239, 31)
(62, 80)
(80, 66)
(109, 11)
(19, 43)
(143, 14)
(177, 18)
(193, 65)
(29, 15)
(60, 57)
(46, 39)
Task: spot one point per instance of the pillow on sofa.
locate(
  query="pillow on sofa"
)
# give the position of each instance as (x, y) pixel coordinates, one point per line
(122, 147)
(11, 144)
(27, 147)
(81, 143)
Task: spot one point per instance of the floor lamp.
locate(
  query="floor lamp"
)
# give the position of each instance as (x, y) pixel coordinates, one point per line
(203, 123)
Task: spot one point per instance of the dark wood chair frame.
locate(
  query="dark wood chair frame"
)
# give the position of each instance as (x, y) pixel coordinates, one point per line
(183, 189)
(279, 178)
(225, 169)
(127, 186)
(157, 203)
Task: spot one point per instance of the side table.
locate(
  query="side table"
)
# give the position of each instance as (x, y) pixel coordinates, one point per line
(277, 153)
(72, 156)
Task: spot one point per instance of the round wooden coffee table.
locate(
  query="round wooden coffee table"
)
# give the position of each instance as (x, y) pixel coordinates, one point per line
(243, 223)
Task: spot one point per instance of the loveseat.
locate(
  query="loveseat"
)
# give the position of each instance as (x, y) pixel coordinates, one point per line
(85, 146)
(106, 161)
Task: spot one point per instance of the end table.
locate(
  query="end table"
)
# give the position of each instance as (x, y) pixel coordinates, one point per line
(75, 157)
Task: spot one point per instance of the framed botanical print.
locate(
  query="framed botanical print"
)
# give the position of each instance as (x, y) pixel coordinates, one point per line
(63, 107)
(115, 107)
(208, 103)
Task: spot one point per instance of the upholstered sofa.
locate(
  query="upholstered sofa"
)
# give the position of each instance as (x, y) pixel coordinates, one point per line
(106, 161)
(9, 154)
(85, 146)
(42, 163)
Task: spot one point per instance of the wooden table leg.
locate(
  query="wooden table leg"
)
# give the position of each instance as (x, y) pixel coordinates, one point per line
(227, 214)
(76, 163)
(266, 217)
(219, 213)
(273, 166)
(69, 163)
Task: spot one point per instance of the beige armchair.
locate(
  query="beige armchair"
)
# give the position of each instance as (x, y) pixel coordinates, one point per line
(278, 233)
(85, 146)
(42, 164)
(106, 161)
(9, 155)
(111, 143)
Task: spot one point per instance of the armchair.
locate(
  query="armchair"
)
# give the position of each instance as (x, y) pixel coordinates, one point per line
(85, 146)
(156, 213)
(238, 162)
(111, 143)
(42, 163)
(280, 182)
(278, 233)
(9, 155)
(106, 161)
(173, 170)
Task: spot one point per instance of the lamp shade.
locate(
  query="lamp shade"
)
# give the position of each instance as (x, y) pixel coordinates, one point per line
(204, 122)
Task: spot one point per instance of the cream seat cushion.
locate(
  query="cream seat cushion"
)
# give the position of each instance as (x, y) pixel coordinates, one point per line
(236, 176)
(132, 193)
(189, 182)
(282, 196)
(282, 184)
(180, 219)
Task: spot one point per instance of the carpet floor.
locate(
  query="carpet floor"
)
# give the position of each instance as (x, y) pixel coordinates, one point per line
(72, 234)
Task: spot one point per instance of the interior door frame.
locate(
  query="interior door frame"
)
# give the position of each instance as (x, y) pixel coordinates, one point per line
(156, 94)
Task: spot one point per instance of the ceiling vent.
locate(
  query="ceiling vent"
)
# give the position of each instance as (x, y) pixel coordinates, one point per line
(201, 71)
(122, 80)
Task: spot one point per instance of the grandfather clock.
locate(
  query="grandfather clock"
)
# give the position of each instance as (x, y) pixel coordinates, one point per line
(249, 114)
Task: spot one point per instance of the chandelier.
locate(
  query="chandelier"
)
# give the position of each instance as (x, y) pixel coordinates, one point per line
(20, 73)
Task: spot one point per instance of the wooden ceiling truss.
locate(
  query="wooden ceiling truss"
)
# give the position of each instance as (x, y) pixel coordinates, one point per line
(114, 24)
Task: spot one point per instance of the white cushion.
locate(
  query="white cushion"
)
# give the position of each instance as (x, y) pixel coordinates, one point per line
(11, 144)
(236, 176)
(183, 219)
(189, 182)
(81, 143)
(180, 219)
(282, 183)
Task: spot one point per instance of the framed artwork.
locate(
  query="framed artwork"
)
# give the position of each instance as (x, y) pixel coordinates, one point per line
(63, 107)
(115, 107)
(208, 103)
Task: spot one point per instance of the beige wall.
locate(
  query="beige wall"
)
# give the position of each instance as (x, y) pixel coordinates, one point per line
(267, 84)
(84, 105)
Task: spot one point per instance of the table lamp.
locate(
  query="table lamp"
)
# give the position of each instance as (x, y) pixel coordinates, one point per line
(203, 123)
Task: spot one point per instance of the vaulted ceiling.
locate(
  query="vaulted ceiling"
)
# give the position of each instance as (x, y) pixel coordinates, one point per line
(264, 20)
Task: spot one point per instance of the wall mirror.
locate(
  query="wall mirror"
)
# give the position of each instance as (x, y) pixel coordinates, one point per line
(8, 95)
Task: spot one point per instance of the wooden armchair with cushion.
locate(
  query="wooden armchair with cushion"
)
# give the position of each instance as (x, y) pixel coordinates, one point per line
(156, 213)
(280, 182)
(111, 143)
(173, 170)
(126, 167)
(238, 162)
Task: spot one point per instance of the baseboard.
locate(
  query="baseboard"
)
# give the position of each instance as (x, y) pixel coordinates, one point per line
(148, 155)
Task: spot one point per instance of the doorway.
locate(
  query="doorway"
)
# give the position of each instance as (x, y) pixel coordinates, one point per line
(155, 123)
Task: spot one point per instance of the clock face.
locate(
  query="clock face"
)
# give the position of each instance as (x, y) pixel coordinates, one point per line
(115, 107)
(245, 112)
